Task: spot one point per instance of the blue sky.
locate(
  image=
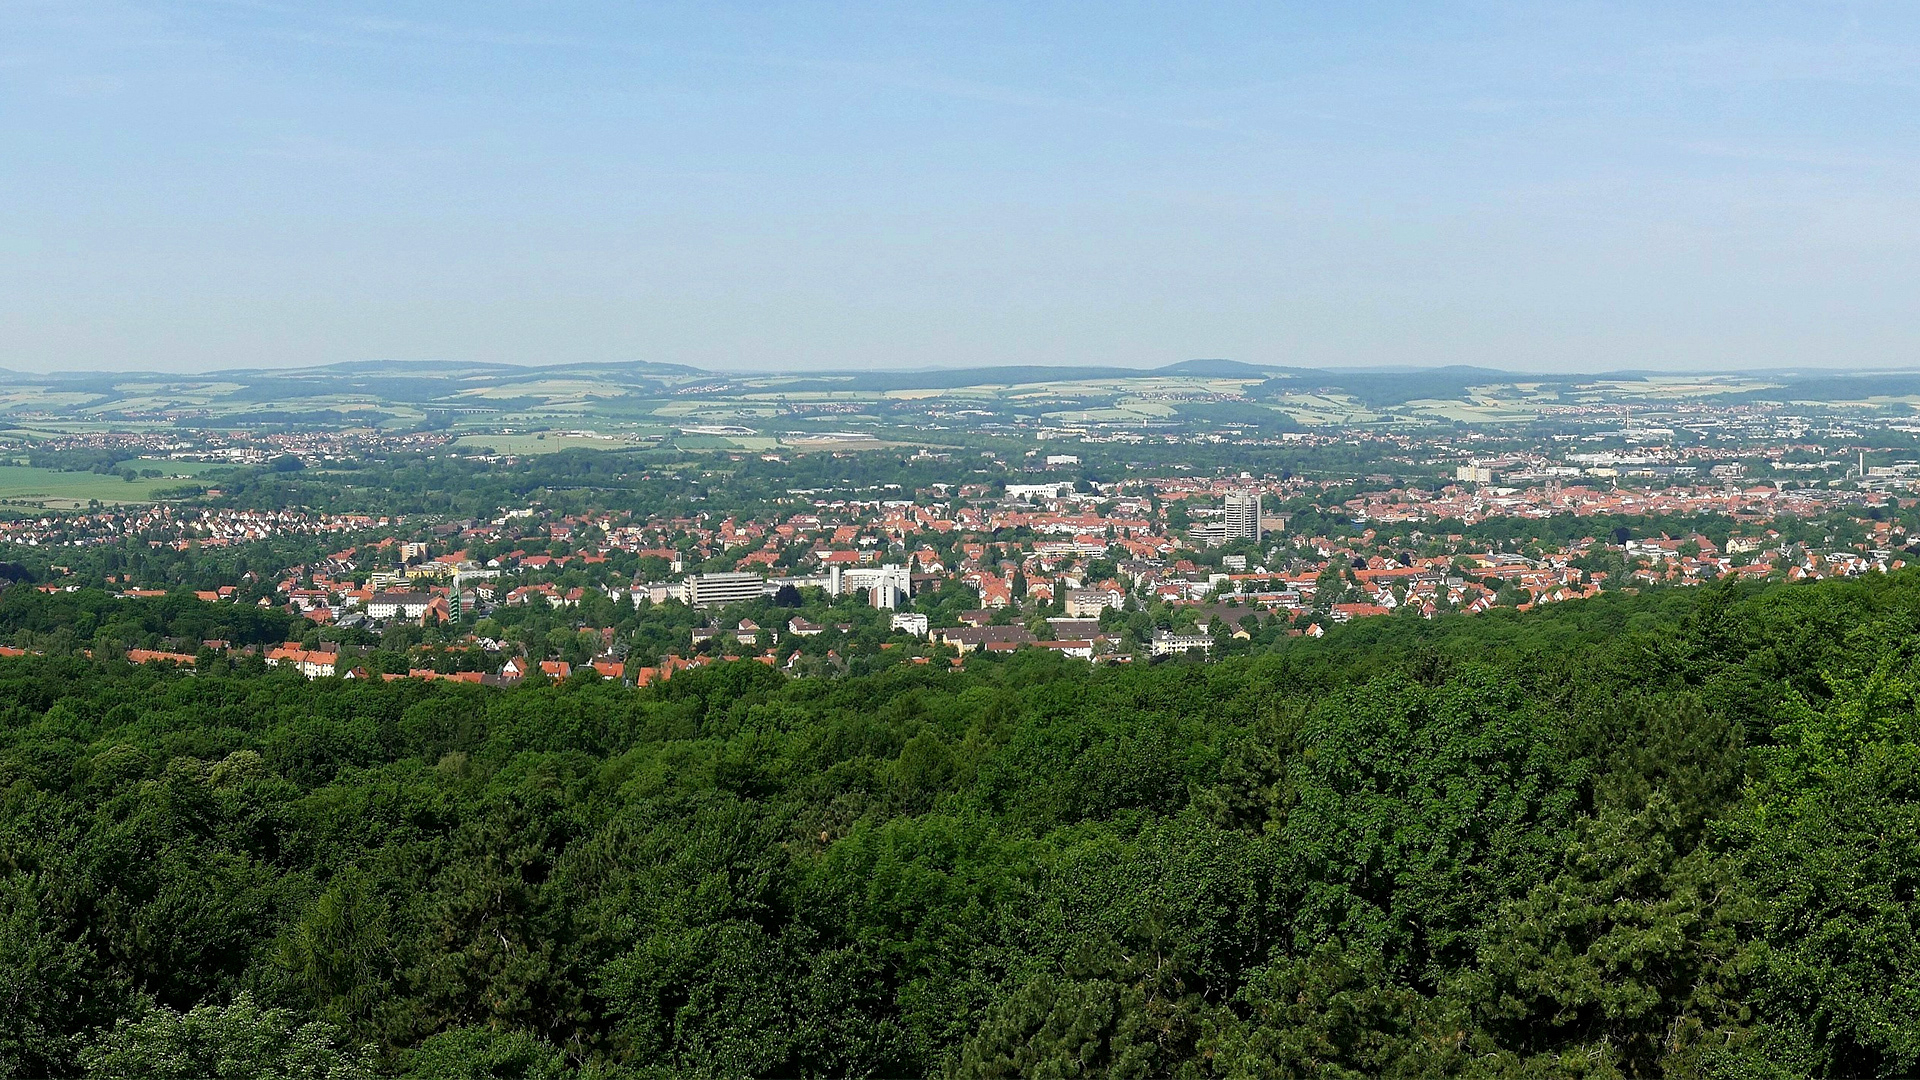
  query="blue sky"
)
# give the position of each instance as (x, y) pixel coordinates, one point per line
(1549, 186)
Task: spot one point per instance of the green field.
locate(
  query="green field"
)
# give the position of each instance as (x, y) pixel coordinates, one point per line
(64, 490)
(553, 442)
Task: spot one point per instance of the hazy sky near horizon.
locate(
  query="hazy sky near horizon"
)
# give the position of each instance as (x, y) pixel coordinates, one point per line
(1533, 186)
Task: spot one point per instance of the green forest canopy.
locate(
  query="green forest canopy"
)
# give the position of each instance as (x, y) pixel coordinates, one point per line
(1668, 834)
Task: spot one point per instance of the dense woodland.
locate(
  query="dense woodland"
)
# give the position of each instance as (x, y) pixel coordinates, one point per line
(1670, 834)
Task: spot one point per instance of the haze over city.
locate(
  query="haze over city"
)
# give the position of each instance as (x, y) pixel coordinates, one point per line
(817, 187)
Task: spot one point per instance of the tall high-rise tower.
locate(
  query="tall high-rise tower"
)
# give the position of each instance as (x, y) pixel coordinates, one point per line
(1242, 517)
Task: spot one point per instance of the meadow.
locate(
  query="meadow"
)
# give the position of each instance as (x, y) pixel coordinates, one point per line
(58, 490)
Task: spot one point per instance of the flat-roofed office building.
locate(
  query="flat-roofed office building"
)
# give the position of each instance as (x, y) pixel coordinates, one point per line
(708, 590)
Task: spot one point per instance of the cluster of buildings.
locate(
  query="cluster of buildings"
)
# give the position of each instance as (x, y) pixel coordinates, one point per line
(1141, 570)
(1484, 500)
(243, 447)
(180, 526)
(1166, 561)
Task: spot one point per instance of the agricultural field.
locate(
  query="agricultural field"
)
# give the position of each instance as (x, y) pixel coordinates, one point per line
(1674, 388)
(1326, 410)
(56, 490)
(633, 400)
(1477, 410)
(552, 442)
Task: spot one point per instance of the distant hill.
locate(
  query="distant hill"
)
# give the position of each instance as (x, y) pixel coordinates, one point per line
(1826, 386)
(443, 392)
(1216, 369)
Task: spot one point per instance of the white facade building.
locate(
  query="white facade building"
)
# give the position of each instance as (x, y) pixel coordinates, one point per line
(1242, 516)
(890, 585)
(407, 605)
(1165, 644)
(707, 590)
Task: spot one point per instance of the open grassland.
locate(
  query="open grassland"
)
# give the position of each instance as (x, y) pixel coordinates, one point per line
(1479, 410)
(65, 490)
(1670, 387)
(551, 442)
(1321, 410)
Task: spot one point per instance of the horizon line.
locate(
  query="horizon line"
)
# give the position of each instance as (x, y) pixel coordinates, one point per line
(691, 370)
